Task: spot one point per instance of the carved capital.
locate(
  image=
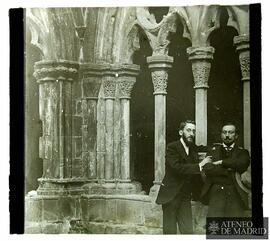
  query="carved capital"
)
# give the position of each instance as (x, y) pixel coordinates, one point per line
(56, 71)
(159, 66)
(109, 85)
(125, 87)
(201, 64)
(244, 63)
(242, 46)
(201, 71)
(159, 78)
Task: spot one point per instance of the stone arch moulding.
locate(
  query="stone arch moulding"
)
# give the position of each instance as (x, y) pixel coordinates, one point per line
(239, 18)
(158, 34)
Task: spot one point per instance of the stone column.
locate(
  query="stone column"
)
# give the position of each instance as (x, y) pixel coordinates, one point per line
(55, 109)
(91, 82)
(242, 46)
(125, 86)
(159, 66)
(109, 85)
(200, 58)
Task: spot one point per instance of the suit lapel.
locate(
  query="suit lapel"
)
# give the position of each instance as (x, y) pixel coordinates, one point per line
(182, 150)
(188, 158)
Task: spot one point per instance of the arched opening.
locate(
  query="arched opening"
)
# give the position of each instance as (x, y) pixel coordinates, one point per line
(142, 120)
(180, 102)
(225, 95)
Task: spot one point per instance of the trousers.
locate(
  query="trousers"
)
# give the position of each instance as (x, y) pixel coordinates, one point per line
(177, 212)
(224, 201)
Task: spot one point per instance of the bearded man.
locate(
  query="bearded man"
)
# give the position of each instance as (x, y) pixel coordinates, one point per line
(182, 177)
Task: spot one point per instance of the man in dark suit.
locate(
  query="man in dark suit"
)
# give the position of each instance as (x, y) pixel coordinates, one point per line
(221, 190)
(182, 175)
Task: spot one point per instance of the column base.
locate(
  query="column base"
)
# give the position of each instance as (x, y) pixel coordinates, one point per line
(60, 187)
(113, 188)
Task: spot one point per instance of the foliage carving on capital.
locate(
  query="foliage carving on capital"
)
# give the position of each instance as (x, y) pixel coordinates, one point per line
(125, 87)
(109, 85)
(160, 78)
(244, 63)
(201, 71)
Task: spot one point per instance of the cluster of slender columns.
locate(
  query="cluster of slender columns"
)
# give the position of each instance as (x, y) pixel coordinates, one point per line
(117, 83)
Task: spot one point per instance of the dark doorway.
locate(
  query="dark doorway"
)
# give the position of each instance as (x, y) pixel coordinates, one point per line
(225, 94)
(142, 120)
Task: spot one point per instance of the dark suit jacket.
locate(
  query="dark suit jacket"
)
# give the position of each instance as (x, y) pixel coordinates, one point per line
(237, 161)
(179, 168)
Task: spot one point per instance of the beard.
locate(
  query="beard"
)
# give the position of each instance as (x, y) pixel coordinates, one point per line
(188, 140)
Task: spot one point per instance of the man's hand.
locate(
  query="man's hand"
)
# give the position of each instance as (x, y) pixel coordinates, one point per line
(207, 159)
(217, 162)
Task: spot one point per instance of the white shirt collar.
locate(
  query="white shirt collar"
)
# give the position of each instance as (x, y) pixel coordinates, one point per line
(185, 146)
(229, 147)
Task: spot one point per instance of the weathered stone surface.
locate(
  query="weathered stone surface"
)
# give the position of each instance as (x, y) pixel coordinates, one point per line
(32, 228)
(101, 137)
(67, 207)
(33, 208)
(77, 147)
(77, 126)
(91, 87)
(153, 215)
(130, 212)
(50, 210)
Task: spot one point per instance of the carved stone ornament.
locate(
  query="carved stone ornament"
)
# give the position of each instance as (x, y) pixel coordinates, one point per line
(201, 71)
(109, 85)
(244, 63)
(242, 46)
(159, 78)
(56, 70)
(125, 87)
(201, 63)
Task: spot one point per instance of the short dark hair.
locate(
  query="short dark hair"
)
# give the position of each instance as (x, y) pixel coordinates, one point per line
(184, 123)
(230, 123)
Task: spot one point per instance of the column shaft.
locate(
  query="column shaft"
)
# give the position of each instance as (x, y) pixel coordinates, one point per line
(101, 144)
(246, 110)
(109, 140)
(125, 139)
(125, 87)
(201, 116)
(109, 93)
(160, 137)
